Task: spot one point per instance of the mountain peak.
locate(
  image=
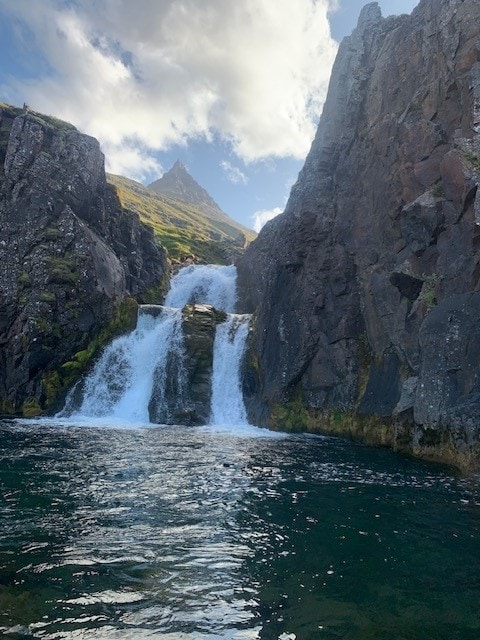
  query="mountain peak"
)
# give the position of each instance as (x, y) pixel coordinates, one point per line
(178, 183)
(178, 167)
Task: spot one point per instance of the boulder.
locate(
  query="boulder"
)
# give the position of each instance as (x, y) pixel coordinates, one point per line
(184, 397)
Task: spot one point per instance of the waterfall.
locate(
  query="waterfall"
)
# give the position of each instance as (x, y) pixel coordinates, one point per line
(207, 284)
(143, 372)
(228, 407)
(120, 385)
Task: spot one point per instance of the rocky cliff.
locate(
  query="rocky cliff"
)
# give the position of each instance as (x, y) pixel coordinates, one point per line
(367, 289)
(72, 262)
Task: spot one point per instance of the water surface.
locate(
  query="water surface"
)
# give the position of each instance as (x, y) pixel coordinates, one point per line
(201, 534)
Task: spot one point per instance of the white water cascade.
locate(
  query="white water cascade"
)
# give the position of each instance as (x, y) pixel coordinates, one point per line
(206, 284)
(149, 361)
(228, 407)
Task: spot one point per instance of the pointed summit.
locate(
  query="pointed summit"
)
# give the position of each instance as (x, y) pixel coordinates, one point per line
(178, 183)
(179, 166)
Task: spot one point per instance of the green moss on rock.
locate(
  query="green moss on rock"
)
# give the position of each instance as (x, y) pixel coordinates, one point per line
(56, 383)
(291, 416)
(157, 293)
(294, 416)
(31, 408)
(6, 407)
(24, 280)
(62, 270)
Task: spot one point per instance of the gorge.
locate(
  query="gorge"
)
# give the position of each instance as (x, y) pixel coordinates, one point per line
(364, 293)
(167, 465)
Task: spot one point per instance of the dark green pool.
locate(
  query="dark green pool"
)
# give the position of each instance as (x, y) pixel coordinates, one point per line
(183, 533)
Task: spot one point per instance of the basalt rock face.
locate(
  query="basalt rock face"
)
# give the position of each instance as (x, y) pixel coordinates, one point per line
(69, 254)
(366, 290)
(184, 396)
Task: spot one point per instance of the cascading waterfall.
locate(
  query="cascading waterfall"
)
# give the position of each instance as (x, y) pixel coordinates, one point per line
(228, 407)
(121, 383)
(146, 365)
(207, 284)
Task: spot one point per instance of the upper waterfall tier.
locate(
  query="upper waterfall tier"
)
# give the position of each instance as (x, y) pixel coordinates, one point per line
(208, 284)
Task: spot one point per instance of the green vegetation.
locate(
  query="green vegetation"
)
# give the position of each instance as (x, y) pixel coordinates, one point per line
(9, 110)
(429, 290)
(440, 445)
(24, 280)
(31, 408)
(45, 327)
(56, 123)
(62, 270)
(183, 229)
(47, 296)
(157, 293)
(51, 233)
(292, 416)
(6, 407)
(472, 158)
(437, 191)
(56, 383)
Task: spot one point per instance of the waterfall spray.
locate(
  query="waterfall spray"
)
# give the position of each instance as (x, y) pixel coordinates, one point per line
(142, 374)
(228, 407)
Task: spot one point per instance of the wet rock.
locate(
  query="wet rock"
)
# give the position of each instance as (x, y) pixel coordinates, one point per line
(407, 397)
(449, 380)
(186, 393)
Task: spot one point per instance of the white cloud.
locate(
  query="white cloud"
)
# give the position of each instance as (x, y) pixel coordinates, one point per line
(234, 174)
(260, 218)
(127, 160)
(146, 75)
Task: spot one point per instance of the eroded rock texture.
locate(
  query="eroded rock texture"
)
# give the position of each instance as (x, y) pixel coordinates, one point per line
(365, 288)
(184, 395)
(69, 254)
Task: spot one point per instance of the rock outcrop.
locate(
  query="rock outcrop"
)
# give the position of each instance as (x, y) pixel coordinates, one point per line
(71, 259)
(184, 396)
(366, 290)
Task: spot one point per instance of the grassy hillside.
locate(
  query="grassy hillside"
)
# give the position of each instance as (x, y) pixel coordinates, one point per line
(182, 228)
(185, 229)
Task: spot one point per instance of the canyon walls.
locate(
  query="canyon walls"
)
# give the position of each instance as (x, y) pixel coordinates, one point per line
(366, 290)
(73, 264)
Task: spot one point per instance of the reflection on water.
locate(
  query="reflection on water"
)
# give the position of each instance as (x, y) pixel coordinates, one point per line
(189, 534)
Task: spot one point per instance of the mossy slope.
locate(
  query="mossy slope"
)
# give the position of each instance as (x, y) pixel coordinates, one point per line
(183, 228)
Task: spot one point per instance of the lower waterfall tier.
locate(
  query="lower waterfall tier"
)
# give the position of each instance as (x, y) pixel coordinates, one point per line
(179, 366)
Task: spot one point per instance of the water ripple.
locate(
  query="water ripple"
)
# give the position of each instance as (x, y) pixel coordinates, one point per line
(204, 534)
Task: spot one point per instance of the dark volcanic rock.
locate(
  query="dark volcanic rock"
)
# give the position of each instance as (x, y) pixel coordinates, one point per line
(69, 255)
(184, 397)
(381, 226)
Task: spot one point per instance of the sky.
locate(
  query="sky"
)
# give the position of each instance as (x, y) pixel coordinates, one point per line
(232, 88)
